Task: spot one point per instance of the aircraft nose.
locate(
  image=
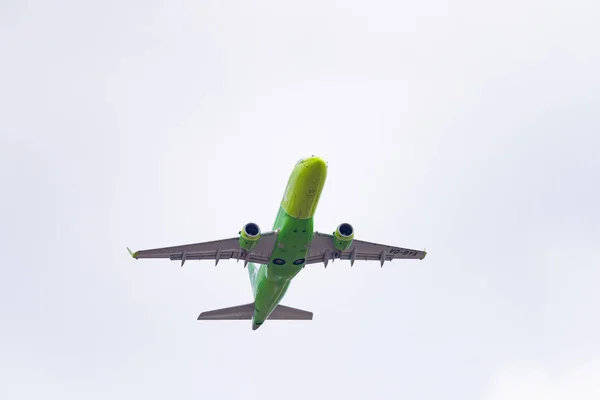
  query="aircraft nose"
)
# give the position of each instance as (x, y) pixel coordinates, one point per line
(316, 164)
(312, 168)
(304, 187)
(312, 172)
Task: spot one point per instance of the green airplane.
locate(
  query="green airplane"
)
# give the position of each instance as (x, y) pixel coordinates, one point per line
(282, 252)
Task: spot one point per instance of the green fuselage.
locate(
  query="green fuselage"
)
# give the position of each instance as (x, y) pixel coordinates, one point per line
(294, 224)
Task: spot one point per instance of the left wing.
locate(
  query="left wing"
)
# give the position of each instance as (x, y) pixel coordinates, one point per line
(323, 250)
(216, 250)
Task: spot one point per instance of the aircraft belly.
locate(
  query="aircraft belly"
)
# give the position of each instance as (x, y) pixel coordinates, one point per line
(286, 261)
(294, 224)
(268, 296)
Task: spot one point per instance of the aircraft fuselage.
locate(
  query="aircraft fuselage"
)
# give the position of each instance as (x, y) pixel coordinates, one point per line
(294, 224)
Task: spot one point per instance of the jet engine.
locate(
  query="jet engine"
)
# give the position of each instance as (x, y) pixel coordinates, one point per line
(249, 236)
(343, 236)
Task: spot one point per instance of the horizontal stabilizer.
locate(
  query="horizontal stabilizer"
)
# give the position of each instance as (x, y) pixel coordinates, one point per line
(287, 313)
(231, 313)
(246, 311)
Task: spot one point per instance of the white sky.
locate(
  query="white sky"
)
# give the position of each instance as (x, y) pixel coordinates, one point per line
(467, 128)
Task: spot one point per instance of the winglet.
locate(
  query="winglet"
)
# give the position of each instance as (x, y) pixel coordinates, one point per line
(425, 253)
(134, 255)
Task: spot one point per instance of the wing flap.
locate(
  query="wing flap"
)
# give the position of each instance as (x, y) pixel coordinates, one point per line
(225, 255)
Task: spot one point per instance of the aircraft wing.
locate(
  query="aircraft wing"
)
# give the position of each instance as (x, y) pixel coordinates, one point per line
(323, 250)
(216, 250)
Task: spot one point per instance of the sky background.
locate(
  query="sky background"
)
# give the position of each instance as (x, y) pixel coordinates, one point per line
(468, 128)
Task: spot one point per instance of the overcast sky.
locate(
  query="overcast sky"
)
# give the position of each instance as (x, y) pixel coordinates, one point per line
(468, 129)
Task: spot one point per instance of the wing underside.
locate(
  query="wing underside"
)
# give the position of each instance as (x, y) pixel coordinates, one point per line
(322, 250)
(217, 250)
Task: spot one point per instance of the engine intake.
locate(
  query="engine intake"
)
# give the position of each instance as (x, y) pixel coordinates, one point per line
(343, 236)
(249, 236)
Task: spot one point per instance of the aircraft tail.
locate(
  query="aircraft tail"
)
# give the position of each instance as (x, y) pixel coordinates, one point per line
(246, 311)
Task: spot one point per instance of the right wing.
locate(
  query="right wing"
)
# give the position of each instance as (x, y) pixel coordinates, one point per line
(216, 250)
(322, 250)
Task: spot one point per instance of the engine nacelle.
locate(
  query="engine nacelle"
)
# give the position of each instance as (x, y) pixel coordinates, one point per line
(249, 236)
(343, 236)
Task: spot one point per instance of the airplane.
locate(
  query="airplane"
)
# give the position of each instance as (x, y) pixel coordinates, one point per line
(275, 257)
